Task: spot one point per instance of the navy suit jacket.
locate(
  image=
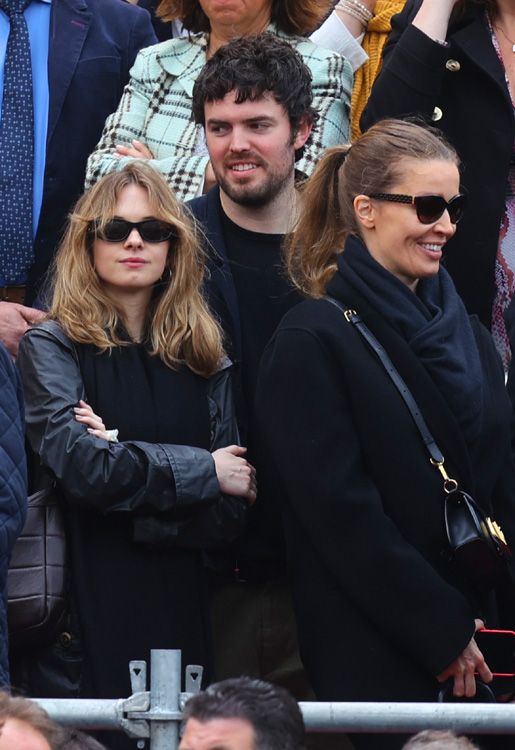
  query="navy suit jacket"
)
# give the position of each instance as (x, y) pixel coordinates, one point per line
(92, 47)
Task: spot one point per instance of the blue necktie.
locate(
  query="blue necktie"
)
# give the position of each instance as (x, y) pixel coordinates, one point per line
(16, 149)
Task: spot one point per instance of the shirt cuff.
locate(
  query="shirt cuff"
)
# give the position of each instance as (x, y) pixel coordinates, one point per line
(334, 35)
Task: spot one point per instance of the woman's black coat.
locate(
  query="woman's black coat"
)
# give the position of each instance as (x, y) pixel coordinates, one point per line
(381, 608)
(463, 88)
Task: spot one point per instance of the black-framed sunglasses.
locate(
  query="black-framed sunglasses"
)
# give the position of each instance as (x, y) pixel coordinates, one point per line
(429, 208)
(117, 230)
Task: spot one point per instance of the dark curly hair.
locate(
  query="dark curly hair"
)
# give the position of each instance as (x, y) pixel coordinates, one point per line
(252, 66)
(296, 17)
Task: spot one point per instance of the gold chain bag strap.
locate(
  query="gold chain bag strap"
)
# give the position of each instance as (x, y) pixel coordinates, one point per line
(476, 542)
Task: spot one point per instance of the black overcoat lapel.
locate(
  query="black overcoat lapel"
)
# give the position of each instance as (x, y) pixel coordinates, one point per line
(472, 37)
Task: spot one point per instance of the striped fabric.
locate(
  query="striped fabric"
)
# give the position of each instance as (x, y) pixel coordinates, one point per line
(156, 109)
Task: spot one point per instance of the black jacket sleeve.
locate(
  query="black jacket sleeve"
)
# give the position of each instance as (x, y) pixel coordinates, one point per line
(309, 426)
(128, 476)
(412, 74)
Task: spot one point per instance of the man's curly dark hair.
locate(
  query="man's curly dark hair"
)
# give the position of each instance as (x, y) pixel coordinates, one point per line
(252, 66)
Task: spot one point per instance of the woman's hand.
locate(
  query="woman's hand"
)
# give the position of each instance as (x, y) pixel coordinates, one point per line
(85, 415)
(137, 150)
(235, 475)
(464, 668)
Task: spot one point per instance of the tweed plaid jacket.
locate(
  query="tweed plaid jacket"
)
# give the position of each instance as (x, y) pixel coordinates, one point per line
(156, 109)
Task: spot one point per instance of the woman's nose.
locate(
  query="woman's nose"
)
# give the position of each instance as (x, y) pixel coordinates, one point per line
(445, 225)
(134, 238)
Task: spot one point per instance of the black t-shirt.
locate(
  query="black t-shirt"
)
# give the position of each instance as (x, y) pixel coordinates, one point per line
(263, 290)
(264, 296)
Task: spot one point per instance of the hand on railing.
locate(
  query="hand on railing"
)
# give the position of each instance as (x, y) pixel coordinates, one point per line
(464, 668)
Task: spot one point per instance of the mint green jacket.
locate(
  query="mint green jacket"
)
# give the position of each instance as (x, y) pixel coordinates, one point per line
(156, 109)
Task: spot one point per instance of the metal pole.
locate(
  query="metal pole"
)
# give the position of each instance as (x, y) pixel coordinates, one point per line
(391, 718)
(165, 688)
(84, 713)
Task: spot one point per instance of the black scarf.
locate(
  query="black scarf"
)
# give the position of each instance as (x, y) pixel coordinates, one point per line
(434, 323)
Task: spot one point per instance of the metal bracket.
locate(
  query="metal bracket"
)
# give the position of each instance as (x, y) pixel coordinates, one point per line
(194, 673)
(134, 713)
(139, 703)
(138, 675)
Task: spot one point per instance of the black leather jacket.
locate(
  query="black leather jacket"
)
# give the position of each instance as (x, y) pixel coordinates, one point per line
(172, 489)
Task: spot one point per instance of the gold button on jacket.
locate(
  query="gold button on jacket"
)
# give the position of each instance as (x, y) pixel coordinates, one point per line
(453, 66)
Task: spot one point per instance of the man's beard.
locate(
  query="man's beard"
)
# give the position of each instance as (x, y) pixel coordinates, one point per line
(257, 196)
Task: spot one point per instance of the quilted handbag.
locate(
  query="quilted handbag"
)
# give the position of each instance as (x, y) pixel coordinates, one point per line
(37, 576)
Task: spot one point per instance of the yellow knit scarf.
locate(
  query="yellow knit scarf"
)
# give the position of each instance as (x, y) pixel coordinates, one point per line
(375, 38)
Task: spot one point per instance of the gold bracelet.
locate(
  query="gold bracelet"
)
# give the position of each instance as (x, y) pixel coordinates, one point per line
(356, 9)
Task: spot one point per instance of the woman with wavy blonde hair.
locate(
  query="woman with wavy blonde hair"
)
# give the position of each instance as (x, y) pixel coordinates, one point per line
(181, 329)
(130, 343)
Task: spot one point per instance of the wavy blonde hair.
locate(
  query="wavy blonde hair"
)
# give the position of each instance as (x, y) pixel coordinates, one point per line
(373, 164)
(181, 330)
(295, 17)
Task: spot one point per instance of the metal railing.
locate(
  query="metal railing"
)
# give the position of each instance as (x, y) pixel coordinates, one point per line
(155, 715)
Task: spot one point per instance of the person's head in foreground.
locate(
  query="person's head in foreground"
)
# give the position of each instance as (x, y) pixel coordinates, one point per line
(242, 714)
(438, 740)
(397, 189)
(25, 726)
(73, 739)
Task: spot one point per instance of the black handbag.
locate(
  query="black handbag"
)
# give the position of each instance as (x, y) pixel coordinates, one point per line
(36, 578)
(476, 542)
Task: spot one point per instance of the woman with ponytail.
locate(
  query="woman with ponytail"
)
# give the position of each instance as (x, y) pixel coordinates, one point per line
(384, 612)
(129, 412)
